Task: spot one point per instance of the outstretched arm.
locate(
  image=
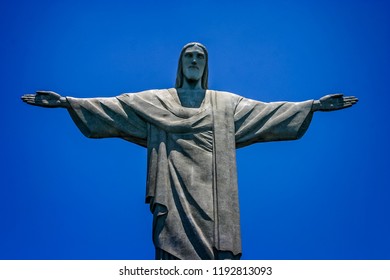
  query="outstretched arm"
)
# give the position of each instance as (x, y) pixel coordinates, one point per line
(100, 117)
(48, 99)
(332, 102)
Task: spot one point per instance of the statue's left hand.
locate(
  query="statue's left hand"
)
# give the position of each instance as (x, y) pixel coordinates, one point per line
(332, 102)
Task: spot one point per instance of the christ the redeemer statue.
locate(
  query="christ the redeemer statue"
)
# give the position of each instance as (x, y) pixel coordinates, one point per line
(191, 134)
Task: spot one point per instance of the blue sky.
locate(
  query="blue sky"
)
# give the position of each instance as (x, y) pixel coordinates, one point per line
(326, 196)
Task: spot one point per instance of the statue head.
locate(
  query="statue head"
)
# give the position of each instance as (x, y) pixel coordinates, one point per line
(188, 72)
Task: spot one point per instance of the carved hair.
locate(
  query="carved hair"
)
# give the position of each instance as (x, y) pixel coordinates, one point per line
(180, 75)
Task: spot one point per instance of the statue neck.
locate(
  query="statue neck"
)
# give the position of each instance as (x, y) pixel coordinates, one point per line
(192, 84)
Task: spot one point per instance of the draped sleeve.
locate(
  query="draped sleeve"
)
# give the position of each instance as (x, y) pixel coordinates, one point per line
(257, 121)
(107, 117)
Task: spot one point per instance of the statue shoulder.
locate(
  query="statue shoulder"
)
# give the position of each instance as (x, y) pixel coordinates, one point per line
(146, 94)
(226, 95)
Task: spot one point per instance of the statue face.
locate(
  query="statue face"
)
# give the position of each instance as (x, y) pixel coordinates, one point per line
(193, 63)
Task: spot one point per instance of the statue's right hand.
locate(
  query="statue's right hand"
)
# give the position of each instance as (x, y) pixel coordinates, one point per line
(48, 99)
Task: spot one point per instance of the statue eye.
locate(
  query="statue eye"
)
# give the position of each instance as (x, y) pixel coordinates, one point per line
(201, 56)
(188, 55)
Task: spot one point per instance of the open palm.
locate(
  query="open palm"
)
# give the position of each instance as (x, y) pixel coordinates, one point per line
(48, 99)
(338, 101)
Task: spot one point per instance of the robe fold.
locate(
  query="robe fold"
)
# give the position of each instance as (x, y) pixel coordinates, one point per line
(191, 178)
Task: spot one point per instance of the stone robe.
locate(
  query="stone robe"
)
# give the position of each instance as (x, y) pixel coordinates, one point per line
(191, 177)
